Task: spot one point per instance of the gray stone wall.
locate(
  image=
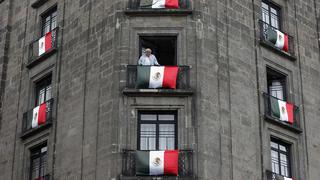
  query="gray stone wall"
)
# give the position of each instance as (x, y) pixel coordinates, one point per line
(223, 121)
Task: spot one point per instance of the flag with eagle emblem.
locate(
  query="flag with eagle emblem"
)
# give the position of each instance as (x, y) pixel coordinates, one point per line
(282, 110)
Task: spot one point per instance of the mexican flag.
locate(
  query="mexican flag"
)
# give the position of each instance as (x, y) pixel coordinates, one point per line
(157, 76)
(45, 43)
(282, 110)
(286, 178)
(169, 4)
(279, 39)
(157, 162)
(39, 115)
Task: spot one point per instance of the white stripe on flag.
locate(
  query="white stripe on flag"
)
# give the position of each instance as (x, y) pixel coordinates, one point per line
(156, 163)
(35, 117)
(156, 76)
(42, 45)
(158, 3)
(285, 178)
(283, 110)
(280, 39)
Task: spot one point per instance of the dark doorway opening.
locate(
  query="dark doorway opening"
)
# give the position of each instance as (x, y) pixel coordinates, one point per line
(163, 47)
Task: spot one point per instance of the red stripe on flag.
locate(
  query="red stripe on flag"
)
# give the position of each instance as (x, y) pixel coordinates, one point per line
(170, 77)
(290, 112)
(47, 41)
(42, 113)
(286, 43)
(172, 4)
(171, 162)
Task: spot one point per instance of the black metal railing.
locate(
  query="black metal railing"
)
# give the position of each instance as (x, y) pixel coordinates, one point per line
(183, 78)
(273, 176)
(34, 46)
(264, 27)
(268, 111)
(146, 4)
(185, 163)
(27, 117)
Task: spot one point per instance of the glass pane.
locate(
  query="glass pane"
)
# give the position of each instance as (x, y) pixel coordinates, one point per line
(265, 13)
(274, 145)
(48, 93)
(274, 11)
(284, 165)
(283, 148)
(35, 168)
(43, 164)
(274, 21)
(54, 21)
(274, 162)
(41, 96)
(148, 137)
(166, 136)
(148, 117)
(166, 117)
(276, 89)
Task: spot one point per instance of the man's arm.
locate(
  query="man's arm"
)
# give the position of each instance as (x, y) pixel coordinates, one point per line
(140, 61)
(156, 61)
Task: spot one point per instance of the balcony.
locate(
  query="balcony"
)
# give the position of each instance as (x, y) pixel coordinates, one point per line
(295, 126)
(35, 56)
(27, 129)
(273, 176)
(185, 166)
(182, 89)
(264, 27)
(144, 7)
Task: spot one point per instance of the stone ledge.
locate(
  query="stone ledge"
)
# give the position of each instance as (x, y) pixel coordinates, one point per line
(39, 59)
(38, 3)
(278, 51)
(158, 92)
(283, 124)
(34, 131)
(158, 12)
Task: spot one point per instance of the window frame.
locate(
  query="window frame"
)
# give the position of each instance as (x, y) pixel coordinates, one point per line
(43, 83)
(173, 37)
(35, 152)
(283, 78)
(288, 154)
(277, 8)
(157, 122)
(46, 14)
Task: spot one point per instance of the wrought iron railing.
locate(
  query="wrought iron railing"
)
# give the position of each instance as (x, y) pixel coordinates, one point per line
(264, 27)
(145, 4)
(183, 78)
(27, 117)
(34, 46)
(273, 176)
(268, 111)
(185, 163)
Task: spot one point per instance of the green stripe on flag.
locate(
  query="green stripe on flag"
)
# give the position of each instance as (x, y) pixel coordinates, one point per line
(275, 111)
(143, 76)
(271, 35)
(142, 163)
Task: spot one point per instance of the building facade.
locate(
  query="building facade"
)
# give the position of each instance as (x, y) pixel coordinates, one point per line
(246, 103)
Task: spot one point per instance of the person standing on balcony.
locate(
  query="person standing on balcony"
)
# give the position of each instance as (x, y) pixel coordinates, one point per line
(148, 59)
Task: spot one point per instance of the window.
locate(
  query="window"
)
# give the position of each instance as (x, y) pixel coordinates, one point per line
(38, 162)
(43, 91)
(276, 84)
(157, 130)
(271, 14)
(49, 21)
(163, 47)
(280, 158)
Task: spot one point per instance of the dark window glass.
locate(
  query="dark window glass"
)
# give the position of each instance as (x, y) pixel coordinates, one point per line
(280, 158)
(276, 84)
(49, 21)
(157, 130)
(270, 14)
(43, 91)
(163, 47)
(38, 162)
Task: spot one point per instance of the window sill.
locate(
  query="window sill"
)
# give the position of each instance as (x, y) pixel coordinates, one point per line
(278, 51)
(34, 62)
(158, 92)
(38, 3)
(31, 132)
(283, 124)
(158, 12)
(155, 177)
